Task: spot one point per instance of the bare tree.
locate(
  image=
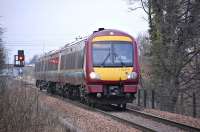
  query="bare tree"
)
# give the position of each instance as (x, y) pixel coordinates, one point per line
(2, 56)
(2, 62)
(174, 35)
(34, 59)
(144, 46)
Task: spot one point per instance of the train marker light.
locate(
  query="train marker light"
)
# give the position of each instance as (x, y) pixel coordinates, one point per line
(99, 95)
(111, 33)
(132, 75)
(94, 75)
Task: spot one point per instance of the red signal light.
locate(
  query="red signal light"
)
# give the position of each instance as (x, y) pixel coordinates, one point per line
(21, 58)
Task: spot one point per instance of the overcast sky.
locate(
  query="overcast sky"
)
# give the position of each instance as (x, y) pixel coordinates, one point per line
(38, 26)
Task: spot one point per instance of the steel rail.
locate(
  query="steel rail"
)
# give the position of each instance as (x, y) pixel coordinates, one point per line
(164, 120)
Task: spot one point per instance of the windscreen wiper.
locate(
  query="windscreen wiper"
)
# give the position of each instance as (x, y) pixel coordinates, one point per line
(120, 59)
(102, 64)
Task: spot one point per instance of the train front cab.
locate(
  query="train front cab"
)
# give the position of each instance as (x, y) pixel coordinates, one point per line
(112, 67)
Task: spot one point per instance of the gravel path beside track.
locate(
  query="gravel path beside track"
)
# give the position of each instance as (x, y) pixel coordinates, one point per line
(188, 120)
(176, 117)
(146, 122)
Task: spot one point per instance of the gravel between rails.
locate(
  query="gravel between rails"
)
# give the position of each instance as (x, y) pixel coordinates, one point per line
(85, 120)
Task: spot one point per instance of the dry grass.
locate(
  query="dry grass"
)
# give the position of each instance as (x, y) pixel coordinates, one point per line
(20, 110)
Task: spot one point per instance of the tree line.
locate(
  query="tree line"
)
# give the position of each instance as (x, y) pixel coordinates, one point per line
(173, 47)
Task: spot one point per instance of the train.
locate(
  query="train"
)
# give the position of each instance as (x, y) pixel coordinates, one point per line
(102, 68)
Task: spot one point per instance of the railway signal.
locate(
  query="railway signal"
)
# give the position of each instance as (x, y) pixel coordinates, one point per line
(21, 55)
(19, 59)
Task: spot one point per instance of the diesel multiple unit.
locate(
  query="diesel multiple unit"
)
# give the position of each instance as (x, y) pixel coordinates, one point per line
(102, 68)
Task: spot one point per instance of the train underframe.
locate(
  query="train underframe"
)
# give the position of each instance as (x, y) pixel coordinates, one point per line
(91, 94)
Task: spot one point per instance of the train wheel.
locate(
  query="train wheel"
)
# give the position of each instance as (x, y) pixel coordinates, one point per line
(123, 107)
(82, 100)
(63, 92)
(48, 89)
(87, 101)
(51, 88)
(37, 83)
(40, 87)
(93, 105)
(69, 93)
(82, 94)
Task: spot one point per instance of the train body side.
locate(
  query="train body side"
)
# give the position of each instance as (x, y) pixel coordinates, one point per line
(71, 64)
(63, 66)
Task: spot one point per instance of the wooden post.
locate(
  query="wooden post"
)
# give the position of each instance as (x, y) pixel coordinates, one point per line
(145, 96)
(152, 99)
(138, 101)
(181, 107)
(194, 105)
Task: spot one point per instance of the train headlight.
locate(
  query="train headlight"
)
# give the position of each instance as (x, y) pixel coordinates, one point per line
(132, 75)
(94, 75)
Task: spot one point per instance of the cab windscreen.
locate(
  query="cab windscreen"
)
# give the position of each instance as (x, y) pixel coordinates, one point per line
(112, 54)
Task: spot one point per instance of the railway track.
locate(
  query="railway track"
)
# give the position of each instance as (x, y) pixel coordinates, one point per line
(123, 121)
(142, 127)
(164, 120)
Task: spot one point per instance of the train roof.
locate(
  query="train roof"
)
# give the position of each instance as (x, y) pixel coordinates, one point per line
(68, 45)
(100, 31)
